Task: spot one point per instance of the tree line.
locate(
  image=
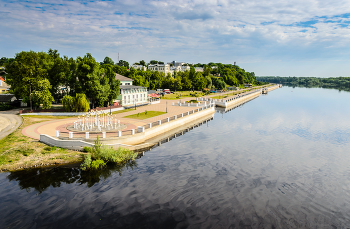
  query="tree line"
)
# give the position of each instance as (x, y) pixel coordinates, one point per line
(44, 77)
(342, 83)
(41, 78)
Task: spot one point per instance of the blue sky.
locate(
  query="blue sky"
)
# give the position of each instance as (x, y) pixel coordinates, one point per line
(284, 37)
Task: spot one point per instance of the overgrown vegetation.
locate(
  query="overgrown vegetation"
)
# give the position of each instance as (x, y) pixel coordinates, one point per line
(99, 155)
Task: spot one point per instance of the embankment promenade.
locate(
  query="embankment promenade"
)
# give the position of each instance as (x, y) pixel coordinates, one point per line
(140, 134)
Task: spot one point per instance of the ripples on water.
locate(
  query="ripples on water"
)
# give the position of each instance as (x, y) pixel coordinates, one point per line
(279, 161)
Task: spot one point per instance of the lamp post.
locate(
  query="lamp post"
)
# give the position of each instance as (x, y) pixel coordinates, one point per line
(166, 108)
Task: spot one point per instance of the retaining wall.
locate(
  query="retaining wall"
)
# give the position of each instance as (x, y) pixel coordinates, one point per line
(238, 100)
(133, 142)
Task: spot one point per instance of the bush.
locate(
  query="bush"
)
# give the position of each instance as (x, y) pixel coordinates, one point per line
(97, 164)
(87, 149)
(79, 103)
(86, 163)
(68, 103)
(100, 155)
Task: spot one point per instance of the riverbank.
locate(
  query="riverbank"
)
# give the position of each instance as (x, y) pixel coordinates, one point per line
(22, 149)
(18, 151)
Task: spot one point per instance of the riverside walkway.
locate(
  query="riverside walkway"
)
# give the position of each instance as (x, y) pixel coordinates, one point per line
(50, 127)
(140, 130)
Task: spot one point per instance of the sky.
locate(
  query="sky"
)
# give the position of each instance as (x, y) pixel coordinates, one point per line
(270, 38)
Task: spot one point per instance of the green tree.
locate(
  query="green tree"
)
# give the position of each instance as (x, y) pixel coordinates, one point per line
(41, 94)
(91, 80)
(142, 62)
(26, 75)
(124, 63)
(107, 60)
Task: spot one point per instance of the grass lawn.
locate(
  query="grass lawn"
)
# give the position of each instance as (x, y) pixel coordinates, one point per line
(183, 94)
(122, 111)
(18, 151)
(145, 115)
(228, 94)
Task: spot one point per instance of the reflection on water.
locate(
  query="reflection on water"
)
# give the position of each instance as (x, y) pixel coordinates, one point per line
(279, 161)
(41, 178)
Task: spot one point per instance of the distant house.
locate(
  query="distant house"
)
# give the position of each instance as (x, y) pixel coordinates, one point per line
(198, 69)
(4, 87)
(248, 85)
(130, 94)
(135, 66)
(165, 68)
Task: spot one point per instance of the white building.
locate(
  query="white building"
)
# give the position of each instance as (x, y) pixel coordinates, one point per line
(198, 69)
(135, 66)
(129, 94)
(165, 68)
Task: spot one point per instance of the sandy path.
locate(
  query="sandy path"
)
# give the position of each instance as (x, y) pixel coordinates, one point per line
(4, 122)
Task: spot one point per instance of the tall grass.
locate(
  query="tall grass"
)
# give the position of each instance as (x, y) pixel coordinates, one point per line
(99, 155)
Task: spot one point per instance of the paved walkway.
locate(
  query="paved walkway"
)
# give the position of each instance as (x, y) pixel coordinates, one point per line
(9, 122)
(50, 127)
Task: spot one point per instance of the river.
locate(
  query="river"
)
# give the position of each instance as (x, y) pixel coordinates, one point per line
(281, 160)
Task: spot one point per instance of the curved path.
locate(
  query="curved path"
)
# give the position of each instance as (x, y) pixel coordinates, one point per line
(9, 122)
(50, 127)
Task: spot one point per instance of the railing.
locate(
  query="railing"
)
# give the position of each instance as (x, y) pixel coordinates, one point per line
(121, 133)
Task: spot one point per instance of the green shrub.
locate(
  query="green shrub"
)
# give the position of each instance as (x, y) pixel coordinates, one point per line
(86, 163)
(87, 149)
(97, 164)
(68, 103)
(100, 155)
(26, 154)
(79, 103)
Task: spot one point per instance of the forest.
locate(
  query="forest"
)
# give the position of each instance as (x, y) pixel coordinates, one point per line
(341, 83)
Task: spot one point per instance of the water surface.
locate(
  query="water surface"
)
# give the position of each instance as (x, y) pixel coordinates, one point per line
(278, 161)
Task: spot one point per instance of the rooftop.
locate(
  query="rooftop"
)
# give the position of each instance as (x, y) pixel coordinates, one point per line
(6, 97)
(122, 78)
(130, 87)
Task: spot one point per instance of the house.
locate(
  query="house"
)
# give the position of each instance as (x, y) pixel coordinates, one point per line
(165, 68)
(130, 94)
(123, 80)
(198, 69)
(135, 66)
(4, 87)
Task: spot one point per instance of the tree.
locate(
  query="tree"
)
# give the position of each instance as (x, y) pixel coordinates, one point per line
(91, 80)
(114, 84)
(143, 63)
(124, 63)
(107, 60)
(209, 82)
(199, 81)
(26, 74)
(41, 94)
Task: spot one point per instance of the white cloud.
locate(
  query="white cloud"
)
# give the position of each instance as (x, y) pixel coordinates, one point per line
(193, 31)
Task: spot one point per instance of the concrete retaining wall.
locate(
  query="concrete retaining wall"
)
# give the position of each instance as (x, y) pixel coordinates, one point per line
(134, 141)
(238, 100)
(161, 129)
(72, 144)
